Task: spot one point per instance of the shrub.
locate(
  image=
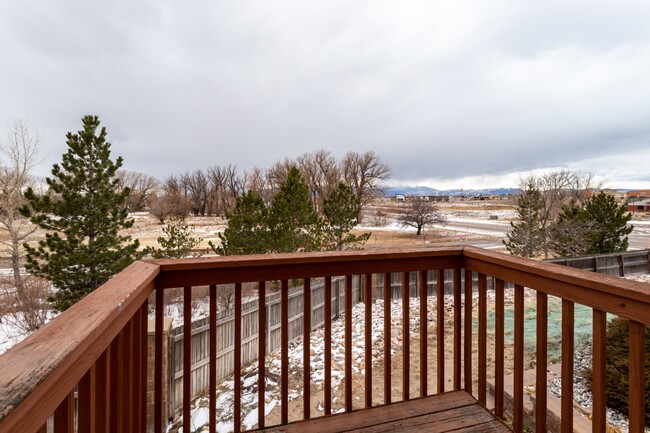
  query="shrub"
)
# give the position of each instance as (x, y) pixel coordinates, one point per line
(617, 367)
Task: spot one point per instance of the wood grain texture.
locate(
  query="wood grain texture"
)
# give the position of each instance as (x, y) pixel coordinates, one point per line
(54, 358)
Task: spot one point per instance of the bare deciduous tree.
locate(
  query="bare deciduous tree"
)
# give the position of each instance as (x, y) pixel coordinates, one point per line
(364, 172)
(258, 181)
(320, 171)
(142, 187)
(20, 156)
(419, 214)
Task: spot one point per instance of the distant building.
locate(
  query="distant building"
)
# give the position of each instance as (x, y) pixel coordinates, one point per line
(642, 206)
(637, 194)
(399, 197)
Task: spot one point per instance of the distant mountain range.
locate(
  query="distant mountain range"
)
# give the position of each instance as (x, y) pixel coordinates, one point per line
(427, 191)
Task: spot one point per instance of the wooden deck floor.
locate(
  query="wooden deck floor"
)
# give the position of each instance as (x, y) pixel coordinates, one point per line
(453, 411)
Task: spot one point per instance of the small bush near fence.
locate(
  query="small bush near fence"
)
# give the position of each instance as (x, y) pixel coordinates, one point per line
(617, 367)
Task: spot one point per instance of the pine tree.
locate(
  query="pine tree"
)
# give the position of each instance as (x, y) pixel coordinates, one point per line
(570, 233)
(341, 209)
(82, 248)
(294, 225)
(247, 231)
(178, 242)
(610, 220)
(525, 237)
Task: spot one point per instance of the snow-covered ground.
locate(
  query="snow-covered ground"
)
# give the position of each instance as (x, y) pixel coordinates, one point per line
(249, 377)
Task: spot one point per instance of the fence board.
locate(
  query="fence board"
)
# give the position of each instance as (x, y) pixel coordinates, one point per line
(617, 264)
(200, 374)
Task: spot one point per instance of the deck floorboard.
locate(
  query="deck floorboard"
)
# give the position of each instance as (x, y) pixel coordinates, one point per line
(454, 411)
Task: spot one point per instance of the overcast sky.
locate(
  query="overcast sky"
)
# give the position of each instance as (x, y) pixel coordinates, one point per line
(449, 94)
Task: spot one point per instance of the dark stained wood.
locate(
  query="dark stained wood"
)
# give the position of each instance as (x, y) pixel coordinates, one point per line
(482, 339)
(499, 366)
(457, 330)
(126, 377)
(284, 357)
(348, 343)
(144, 317)
(566, 411)
(636, 413)
(440, 329)
(598, 371)
(64, 415)
(158, 363)
(306, 348)
(237, 361)
(452, 411)
(187, 357)
(212, 392)
(387, 338)
(452, 419)
(424, 323)
(327, 392)
(367, 292)
(231, 269)
(117, 318)
(53, 359)
(43, 428)
(541, 328)
(101, 406)
(518, 374)
(86, 401)
(406, 339)
(114, 386)
(261, 358)
(467, 356)
(135, 365)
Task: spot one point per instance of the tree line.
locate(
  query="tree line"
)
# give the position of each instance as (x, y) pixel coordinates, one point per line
(214, 191)
(304, 204)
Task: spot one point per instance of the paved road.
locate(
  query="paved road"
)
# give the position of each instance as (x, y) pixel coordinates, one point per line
(639, 239)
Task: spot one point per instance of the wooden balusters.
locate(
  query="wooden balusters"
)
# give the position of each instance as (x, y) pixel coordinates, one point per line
(567, 367)
(367, 295)
(261, 353)
(423, 333)
(636, 411)
(406, 341)
(306, 348)
(237, 359)
(348, 343)
(328, 346)
(387, 338)
(482, 339)
(541, 347)
(467, 356)
(212, 392)
(499, 327)
(158, 363)
(518, 379)
(284, 344)
(598, 371)
(457, 329)
(440, 329)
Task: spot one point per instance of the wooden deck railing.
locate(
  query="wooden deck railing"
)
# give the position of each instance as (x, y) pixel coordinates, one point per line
(97, 349)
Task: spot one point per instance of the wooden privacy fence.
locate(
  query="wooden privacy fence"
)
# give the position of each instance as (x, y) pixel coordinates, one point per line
(617, 264)
(248, 344)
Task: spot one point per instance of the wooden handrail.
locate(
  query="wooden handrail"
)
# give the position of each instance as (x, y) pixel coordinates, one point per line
(624, 298)
(39, 372)
(37, 375)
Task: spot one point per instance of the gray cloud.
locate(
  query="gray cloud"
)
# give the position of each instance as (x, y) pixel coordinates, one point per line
(440, 90)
